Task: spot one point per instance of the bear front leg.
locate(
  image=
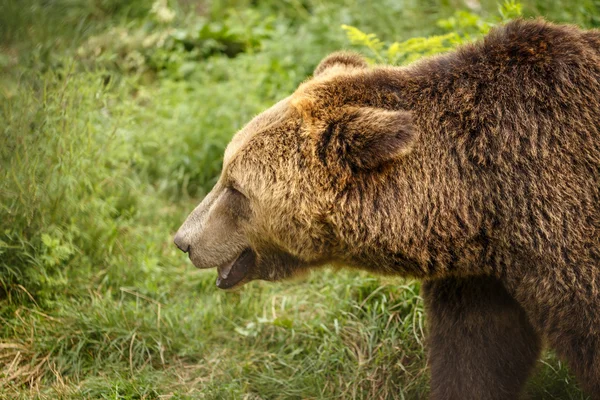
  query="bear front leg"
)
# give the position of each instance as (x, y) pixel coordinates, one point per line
(481, 344)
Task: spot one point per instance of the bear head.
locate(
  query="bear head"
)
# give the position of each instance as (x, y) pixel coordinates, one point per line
(270, 215)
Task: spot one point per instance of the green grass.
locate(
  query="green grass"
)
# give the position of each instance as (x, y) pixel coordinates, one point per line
(113, 122)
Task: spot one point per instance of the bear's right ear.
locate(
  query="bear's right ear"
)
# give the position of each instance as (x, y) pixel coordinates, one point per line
(371, 137)
(364, 138)
(340, 59)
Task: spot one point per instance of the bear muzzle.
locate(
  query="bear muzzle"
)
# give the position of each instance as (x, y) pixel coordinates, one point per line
(230, 274)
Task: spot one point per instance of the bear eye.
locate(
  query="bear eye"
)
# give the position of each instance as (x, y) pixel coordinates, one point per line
(234, 190)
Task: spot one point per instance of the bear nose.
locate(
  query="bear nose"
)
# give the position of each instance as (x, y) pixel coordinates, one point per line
(181, 243)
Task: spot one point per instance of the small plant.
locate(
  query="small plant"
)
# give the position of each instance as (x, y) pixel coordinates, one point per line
(463, 26)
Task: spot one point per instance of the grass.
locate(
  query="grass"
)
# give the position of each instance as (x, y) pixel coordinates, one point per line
(113, 121)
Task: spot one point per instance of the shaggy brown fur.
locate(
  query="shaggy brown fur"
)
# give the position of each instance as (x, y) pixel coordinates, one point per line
(477, 171)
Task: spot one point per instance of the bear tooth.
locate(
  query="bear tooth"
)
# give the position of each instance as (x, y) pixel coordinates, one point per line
(224, 271)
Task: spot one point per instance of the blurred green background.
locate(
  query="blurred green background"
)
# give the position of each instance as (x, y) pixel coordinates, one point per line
(113, 119)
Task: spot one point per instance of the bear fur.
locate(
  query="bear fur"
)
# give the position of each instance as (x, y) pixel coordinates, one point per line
(476, 171)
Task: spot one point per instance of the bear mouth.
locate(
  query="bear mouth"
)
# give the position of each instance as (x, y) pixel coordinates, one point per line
(236, 271)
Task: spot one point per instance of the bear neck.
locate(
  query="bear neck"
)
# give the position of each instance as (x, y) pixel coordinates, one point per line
(414, 217)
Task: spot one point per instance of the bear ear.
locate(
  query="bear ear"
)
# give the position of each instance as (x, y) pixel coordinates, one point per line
(370, 137)
(340, 59)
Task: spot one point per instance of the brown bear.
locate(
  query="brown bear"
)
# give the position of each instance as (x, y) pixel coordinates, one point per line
(476, 171)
